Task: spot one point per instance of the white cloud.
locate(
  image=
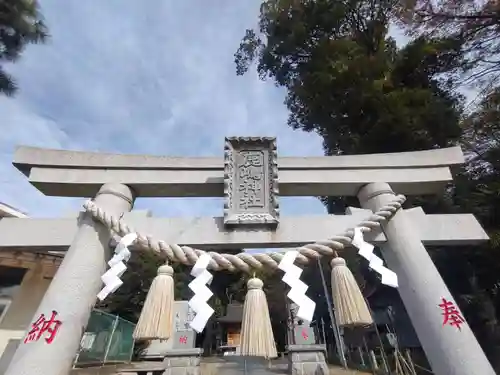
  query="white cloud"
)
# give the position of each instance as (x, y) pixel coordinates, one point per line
(123, 76)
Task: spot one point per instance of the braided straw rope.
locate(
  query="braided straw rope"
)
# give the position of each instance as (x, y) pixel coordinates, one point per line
(243, 261)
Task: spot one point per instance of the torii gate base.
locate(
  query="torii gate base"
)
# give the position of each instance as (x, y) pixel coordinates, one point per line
(451, 350)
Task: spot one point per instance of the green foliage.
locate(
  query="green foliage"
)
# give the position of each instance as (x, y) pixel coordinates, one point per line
(347, 81)
(142, 268)
(472, 24)
(478, 186)
(227, 287)
(20, 24)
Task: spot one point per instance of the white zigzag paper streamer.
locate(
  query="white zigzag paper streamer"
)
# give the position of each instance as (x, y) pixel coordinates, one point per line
(365, 249)
(201, 293)
(298, 289)
(111, 278)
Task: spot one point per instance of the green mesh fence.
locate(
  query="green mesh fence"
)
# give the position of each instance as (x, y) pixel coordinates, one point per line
(108, 339)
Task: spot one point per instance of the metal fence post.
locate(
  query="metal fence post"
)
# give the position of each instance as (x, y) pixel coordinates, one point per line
(108, 346)
(336, 331)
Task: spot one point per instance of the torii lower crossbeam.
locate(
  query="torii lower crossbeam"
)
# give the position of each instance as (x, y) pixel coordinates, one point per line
(210, 233)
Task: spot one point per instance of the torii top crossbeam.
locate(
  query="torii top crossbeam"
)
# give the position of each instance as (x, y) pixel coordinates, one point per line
(81, 174)
(72, 173)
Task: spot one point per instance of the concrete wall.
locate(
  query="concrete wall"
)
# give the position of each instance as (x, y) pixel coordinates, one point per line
(23, 306)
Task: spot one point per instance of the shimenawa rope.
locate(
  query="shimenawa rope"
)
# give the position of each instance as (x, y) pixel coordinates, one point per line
(243, 261)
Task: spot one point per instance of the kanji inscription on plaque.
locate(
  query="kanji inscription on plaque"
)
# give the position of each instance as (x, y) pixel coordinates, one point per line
(251, 181)
(252, 193)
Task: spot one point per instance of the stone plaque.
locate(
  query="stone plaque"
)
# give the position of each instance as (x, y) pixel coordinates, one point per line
(183, 315)
(250, 181)
(304, 335)
(183, 337)
(302, 331)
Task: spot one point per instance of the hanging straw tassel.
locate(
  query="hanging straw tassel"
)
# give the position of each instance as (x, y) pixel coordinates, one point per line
(156, 317)
(257, 337)
(350, 306)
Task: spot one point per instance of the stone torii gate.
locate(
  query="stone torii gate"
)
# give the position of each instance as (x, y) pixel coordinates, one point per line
(251, 220)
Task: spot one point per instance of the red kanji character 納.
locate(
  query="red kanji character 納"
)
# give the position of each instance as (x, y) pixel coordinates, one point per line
(35, 328)
(41, 326)
(451, 315)
(183, 339)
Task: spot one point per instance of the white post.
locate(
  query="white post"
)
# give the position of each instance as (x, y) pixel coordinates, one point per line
(53, 337)
(335, 327)
(110, 340)
(450, 349)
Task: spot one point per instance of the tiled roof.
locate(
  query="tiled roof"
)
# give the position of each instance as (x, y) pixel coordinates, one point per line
(234, 314)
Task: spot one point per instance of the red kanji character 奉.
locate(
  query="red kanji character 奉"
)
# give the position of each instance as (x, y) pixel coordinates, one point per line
(451, 315)
(41, 326)
(183, 339)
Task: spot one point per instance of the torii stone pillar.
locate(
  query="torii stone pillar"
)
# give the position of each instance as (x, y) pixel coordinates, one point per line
(72, 293)
(450, 350)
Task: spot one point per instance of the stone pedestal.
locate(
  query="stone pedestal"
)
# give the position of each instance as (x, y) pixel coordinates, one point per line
(183, 361)
(155, 350)
(158, 349)
(307, 360)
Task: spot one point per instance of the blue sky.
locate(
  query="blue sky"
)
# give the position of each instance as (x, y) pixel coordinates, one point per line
(117, 76)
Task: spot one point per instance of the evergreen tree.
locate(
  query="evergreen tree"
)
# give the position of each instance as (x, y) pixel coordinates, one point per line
(21, 23)
(472, 24)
